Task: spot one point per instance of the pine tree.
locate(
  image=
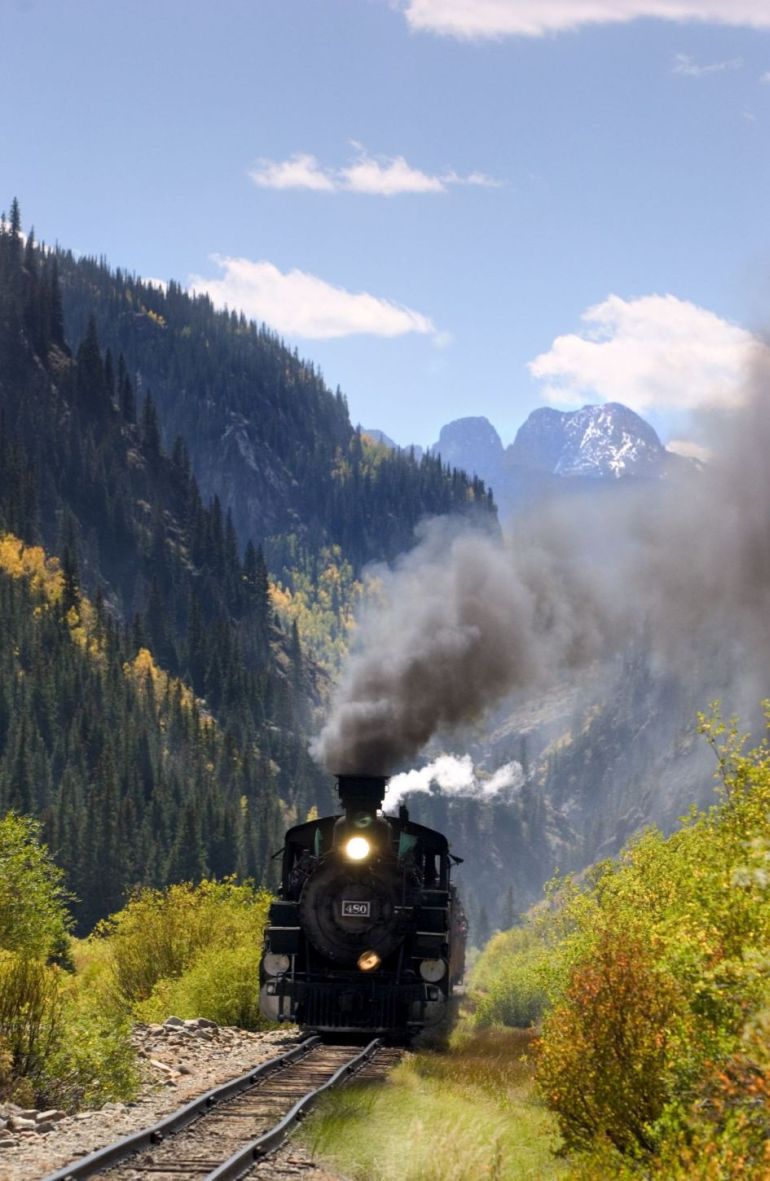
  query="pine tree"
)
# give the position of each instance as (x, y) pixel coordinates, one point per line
(91, 386)
(150, 428)
(71, 591)
(55, 307)
(187, 861)
(14, 240)
(126, 398)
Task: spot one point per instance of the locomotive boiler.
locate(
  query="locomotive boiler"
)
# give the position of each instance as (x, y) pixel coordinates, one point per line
(368, 933)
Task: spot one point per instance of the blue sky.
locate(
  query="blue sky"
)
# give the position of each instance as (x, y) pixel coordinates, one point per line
(426, 197)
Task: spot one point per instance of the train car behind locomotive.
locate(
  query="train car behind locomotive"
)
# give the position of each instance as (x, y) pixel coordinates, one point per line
(368, 933)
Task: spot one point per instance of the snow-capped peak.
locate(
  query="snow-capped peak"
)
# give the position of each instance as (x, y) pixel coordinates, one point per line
(600, 441)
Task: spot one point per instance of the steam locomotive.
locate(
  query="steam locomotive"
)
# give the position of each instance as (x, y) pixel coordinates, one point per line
(368, 933)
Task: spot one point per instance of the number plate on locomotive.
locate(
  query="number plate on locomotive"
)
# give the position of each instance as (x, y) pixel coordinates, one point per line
(356, 910)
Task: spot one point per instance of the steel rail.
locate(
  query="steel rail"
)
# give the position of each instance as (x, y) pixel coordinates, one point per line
(245, 1158)
(120, 1150)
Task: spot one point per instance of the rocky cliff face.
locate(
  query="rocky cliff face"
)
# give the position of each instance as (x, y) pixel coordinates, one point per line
(472, 444)
(602, 756)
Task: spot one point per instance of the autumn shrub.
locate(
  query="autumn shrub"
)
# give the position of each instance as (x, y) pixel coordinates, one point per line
(222, 983)
(603, 1060)
(30, 1012)
(191, 950)
(653, 970)
(656, 974)
(58, 1045)
(724, 1131)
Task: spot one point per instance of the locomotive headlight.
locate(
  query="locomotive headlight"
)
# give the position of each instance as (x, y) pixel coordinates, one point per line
(368, 961)
(432, 970)
(357, 848)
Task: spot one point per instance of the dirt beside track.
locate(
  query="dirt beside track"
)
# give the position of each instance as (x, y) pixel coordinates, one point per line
(289, 1161)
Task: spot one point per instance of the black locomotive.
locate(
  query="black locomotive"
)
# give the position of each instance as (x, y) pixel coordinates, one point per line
(368, 933)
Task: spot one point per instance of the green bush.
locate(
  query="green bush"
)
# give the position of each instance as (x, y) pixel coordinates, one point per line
(33, 928)
(59, 1044)
(34, 920)
(506, 984)
(221, 984)
(93, 1060)
(190, 950)
(30, 1013)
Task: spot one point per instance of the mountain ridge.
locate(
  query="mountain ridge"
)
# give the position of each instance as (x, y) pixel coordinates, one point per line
(263, 432)
(555, 451)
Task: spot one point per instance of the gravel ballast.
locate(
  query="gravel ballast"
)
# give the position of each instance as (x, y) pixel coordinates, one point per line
(178, 1061)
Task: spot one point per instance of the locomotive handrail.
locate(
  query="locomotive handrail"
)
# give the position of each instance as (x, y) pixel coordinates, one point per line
(243, 1160)
(117, 1152)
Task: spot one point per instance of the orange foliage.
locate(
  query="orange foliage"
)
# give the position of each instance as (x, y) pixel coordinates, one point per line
(46, 580)
(149, 677)
(601, 1064)
(728, 1130)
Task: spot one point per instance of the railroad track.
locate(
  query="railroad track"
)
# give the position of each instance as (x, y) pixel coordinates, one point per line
(221, 1134)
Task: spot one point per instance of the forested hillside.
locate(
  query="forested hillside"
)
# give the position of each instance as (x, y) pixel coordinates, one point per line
(263, 431)
(135, 781)
(153, 710)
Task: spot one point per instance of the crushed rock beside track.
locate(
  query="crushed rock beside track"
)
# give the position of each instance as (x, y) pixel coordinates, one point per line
(178, 1061)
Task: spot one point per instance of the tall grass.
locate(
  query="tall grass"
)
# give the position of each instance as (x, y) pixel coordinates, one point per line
(463, 1115)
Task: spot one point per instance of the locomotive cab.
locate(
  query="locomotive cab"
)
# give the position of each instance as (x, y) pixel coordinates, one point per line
(364, 935)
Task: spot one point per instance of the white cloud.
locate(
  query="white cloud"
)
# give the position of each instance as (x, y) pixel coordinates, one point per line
(480, 19)
(481, 179)
(654, 352)
(301, 171)
(384, 176)
(689, 68)
(299, 304)
(368, 175)
(765, 78)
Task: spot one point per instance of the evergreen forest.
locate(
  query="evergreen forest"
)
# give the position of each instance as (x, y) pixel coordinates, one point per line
(162, 466)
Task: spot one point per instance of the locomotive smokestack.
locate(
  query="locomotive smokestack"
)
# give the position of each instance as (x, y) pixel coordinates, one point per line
(361, 793)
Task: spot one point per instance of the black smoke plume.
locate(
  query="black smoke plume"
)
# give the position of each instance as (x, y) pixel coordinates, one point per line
(681, 564)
